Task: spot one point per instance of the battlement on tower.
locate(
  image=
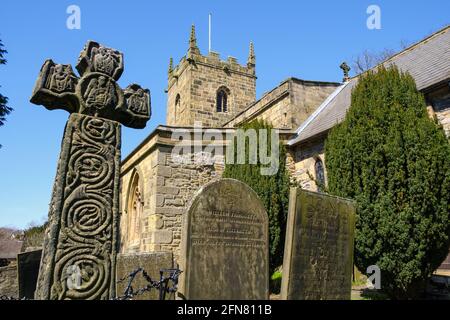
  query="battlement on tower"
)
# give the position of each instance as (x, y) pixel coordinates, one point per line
(212, 60)
(207, 89)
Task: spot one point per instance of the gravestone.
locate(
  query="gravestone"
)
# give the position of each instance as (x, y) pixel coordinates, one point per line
(27, 272)
(80, 245)
(225, 248)
(151, 262)
(318, 254)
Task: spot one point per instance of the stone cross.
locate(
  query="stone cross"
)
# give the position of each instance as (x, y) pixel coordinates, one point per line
(82, 234)
(346, 69)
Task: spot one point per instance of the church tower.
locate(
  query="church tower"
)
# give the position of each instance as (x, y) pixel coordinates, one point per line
(207, 89)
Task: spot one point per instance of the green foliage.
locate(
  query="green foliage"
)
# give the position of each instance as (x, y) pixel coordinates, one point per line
(277, 275)
(2, 52)
(273, 190)
(394, 161)
(34, 236)
(275, 282)
(4, 109)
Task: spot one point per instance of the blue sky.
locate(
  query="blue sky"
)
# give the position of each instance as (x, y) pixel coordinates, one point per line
(305, 39)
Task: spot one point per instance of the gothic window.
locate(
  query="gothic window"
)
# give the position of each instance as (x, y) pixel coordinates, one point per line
(222, 100)
(135, 210)
(320, 174)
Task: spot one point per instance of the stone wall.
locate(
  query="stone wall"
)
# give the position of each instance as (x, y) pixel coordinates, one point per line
(439, 101)
(166, 186)
(197, 80)
(179, 84)
(177, 183)
(306, 97)
(141, 166)
(9, 284)
(287, 105)
(301, 162)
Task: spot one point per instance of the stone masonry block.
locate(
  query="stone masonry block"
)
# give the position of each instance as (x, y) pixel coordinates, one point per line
(164, 171)
(169, 190)
(159, 200)
(160, 181)
(161, 237)
(169, 211)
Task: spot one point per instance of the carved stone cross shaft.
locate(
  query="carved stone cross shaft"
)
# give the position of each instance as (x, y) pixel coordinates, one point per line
(78, 260)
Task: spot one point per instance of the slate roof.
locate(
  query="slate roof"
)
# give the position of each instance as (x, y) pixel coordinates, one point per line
(428, 62)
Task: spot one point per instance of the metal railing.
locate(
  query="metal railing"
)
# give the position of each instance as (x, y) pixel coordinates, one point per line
(167, 285)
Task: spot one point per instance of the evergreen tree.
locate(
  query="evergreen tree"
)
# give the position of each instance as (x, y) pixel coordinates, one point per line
(4, 109)
(273, 190)
(394, 161)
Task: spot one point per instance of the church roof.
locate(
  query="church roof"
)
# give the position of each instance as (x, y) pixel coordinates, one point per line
(428, 62)
(265, 102)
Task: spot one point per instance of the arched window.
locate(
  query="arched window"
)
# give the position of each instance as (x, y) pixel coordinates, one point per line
(222, 100)
(177, 105)
(320, 174)
(135, 210)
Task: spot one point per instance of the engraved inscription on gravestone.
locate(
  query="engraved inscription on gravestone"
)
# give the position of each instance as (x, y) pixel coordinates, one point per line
(225, 244)
(318, 257)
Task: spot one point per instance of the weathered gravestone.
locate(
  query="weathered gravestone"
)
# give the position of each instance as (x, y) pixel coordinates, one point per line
(81, 239)
(318, 254)
(225, 249)
(27, 272)
(152, 263)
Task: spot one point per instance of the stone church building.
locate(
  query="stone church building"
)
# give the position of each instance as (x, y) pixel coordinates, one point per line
(207, 91)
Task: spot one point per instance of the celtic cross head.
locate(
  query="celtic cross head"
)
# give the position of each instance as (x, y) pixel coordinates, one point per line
(95, 92)
(344, 66)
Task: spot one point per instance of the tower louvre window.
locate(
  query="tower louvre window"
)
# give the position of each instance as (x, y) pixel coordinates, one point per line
(222, 100)
(177, 105)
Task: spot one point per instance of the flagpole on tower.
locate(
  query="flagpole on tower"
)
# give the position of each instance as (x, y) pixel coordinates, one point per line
(209, 33)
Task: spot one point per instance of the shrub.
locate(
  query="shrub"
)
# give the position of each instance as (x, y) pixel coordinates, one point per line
(394, 161)
(273, 191)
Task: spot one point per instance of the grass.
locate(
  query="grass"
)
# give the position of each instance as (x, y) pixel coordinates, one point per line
(275, 282)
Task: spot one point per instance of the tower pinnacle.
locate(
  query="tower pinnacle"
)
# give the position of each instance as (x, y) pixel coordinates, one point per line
(251, 55)
(251, 61)
(193, 48)
(170, 66)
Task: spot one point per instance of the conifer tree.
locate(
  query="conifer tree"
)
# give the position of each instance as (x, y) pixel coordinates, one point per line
(273, 190)
(394, 160)
(4, 108)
